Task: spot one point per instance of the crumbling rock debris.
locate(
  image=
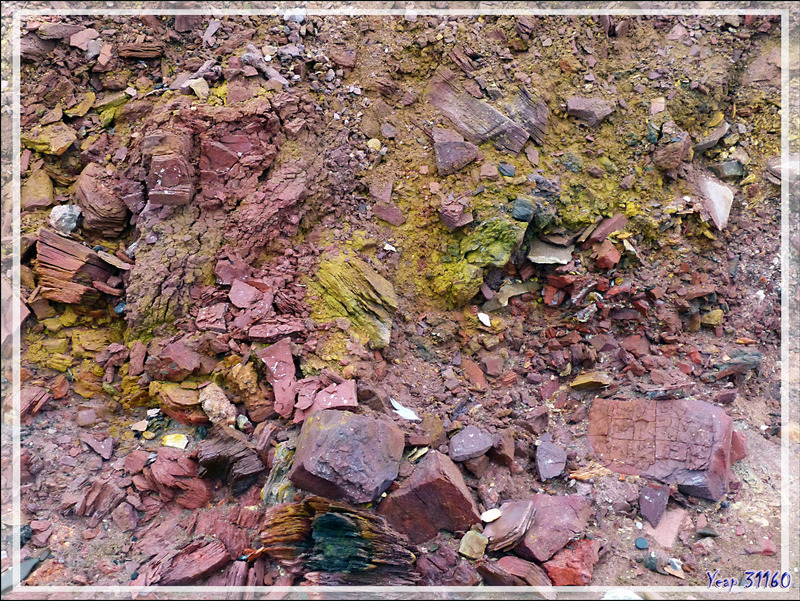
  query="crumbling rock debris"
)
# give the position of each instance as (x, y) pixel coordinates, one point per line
(530, 112)
(684, 442)
(513, 571)
(443, 567)
(280, 371)
(433, 498)
(332, 543)
(346, 456)
(574, 565)
(173, 476)
(195, 561)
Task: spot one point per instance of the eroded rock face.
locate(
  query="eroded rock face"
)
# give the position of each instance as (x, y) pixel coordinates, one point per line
(684, 442)
(345, 456)
(434, 498)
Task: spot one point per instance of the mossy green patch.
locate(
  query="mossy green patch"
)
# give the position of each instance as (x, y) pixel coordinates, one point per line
(352, 289)
(492, 242)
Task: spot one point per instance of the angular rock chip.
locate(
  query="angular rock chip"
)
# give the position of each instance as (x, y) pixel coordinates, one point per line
(531, 113)
(342, 455)
(685, 442)
(280, 374)
(433, 498)
(354, 290)
(557, 520)
(550, 460)
(591, 110)
(717, 199)
(37, 193)
(452, 152)
(470, 443)
(653, 502)
(217, 406)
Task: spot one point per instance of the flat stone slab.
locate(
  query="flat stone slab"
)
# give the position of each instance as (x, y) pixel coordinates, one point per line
(684, 442)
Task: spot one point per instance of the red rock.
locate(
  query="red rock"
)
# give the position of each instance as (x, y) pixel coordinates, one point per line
(174, 363)
(475, 375)
(668, 528)
(170, 181)
(344, 57)
(433, 498)
(137, 357)
(125, 517)
(336, 396)
(574, 565)
(104, 448)
(81, 39)
(606, 227)
(216, 156)
(556, 521)
(135, 461)
(470, 443)
(243, 295)
(444, 567)
(194, 562)
(763, 547)
(212, 318)
(607, 256)
(493, 365)
(280, 372)
(342, 455)
(389, 212)
(692, 442)
(454, 215)
(174, 475)
(738, 446)
(591, 110)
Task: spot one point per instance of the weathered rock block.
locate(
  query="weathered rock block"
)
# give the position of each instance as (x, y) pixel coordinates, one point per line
(434, 498)
(342, 455)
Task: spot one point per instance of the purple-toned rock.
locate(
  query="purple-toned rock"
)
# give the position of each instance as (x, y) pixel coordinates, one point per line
(433, 498)
(336, 396)
(243, 295)
(550, 460)
(606, 227)
(684, 442)
(557, 520)
(507, 530)
(443, 567)
(280, 372)
(389, 212)
(341, 455)
(674, 147)
(529, 573)
(454, 214)
(591, 110)
(452, 152)
(212, 318)
(470, 443)
(653, 502)
(170, 181)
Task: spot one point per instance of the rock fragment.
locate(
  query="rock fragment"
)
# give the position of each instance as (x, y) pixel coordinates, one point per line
(452, 152)
(469, 443)
(653, 502)
(280, 372)
(574, 565)
(550, 460)
(512, 525)
(556, 521)
(591, 110)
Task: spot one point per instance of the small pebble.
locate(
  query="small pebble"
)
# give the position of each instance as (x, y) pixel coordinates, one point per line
(641, 543)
